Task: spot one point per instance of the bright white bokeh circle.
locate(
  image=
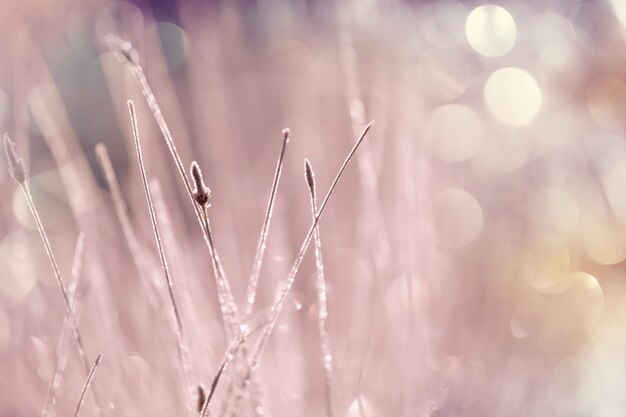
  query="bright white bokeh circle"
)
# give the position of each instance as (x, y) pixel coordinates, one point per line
(490, 30)
(513, 96)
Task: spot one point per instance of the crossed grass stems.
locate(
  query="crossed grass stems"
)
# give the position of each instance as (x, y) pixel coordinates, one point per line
(236, 327)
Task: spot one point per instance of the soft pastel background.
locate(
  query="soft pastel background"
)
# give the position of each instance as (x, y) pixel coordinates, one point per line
(474, 251)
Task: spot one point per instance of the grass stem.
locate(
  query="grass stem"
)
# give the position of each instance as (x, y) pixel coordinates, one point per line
(86, 386)
(260, 250)
(180, 336)
(322, 313)
(282, 292)
(230, 353)
(62, 346)
(130, 56)
(18, 172)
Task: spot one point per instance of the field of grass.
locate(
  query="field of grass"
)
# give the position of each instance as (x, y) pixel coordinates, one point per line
(311, 208)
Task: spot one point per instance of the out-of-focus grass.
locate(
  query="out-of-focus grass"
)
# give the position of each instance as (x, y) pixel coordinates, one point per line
(473, 255)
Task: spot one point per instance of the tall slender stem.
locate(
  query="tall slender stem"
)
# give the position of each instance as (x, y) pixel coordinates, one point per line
(281, 294)
(63, 347)
(180, 335)
(130, 56)
(260, 250)
(322, 313)
(86, 386)
(17, 170)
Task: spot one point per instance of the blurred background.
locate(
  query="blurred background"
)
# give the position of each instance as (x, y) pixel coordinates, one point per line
(474, 252)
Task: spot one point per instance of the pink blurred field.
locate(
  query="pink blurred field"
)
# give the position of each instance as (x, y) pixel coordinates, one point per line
(473, 251)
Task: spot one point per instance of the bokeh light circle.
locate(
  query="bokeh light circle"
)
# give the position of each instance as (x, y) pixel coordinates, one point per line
(458, 218)
(446, 141)
(613, 177)
(573, 387)
(606, 99)
(551, 39)
(545, 267)
(512, 96)
(585, 298)
(554, 215)
(490, 30)
(443, 74)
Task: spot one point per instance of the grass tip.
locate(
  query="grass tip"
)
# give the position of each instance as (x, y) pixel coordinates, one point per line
(16, 165)
(309, 175)
(124, 50)
(201, 193)
(201, 398)
(286, 134)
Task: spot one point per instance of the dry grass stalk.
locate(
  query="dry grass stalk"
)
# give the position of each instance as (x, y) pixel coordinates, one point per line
(201, 192)
(322, 313)
(121, 211)
(201, 398)
(77, 264)
(86, 386)
(360, 405)
(145, 267)
(282, 292)
(229, 355)
(175, 249)
(260, 250)
(251, 290)
(374, 236)
(180, 336)
(129, 55)
(62, 346)
(17, 170)
(201, 195)
(373, 233)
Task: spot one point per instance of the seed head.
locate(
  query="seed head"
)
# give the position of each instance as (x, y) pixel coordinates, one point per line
(124, 50)
(310, 176)
(286, 134)
(201, 192)
(16, 165)
(201, 398)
